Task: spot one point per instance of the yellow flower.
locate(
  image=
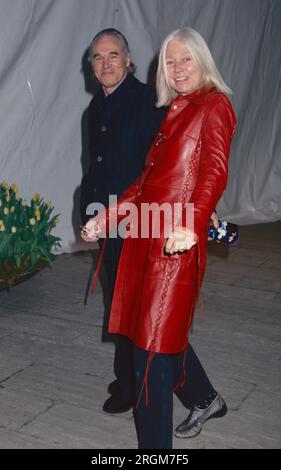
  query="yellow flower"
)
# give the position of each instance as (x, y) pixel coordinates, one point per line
(6, 210)
(36, 197)
(37, 215)
(56, 221)
(23, 202)
(14, 188)
(2, 228)
(8, 198)
(4, 185)
(13, 229)
(49, 203)
(32, 221)
(1, 203)
(13, 209)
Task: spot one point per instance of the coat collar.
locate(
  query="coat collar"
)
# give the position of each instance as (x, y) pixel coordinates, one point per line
(196, 96)
(129, 82)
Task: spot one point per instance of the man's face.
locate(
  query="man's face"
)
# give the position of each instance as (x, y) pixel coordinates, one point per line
(109, 62)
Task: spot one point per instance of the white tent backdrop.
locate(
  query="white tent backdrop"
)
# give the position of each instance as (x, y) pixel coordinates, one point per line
(45, 90)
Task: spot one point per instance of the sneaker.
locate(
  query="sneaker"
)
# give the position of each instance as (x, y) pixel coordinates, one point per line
(193, 424)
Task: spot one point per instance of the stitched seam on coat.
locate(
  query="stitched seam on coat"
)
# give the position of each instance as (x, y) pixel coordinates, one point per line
(181, 262)
(193, 161)
(155, 259)
(161, 304)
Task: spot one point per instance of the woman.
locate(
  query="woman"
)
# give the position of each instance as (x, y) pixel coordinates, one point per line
(158, 279)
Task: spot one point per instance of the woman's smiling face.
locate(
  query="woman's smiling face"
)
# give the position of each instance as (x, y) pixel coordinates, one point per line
(183, 72)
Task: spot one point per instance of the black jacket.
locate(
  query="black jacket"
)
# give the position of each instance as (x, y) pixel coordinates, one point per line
(122, 126)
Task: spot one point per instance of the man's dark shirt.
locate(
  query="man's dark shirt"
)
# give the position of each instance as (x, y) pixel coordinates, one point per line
(122, 126)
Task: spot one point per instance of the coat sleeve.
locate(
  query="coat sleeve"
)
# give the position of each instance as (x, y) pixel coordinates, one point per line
(86, 188)
(217, 132)
(110, 217)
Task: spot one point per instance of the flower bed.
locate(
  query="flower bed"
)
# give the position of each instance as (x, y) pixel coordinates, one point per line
(25, 235)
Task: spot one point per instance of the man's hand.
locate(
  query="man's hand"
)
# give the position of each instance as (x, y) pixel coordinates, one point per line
(180, 240)
(90, 231)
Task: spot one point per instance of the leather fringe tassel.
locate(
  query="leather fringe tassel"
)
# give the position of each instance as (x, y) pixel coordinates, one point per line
(95, 280)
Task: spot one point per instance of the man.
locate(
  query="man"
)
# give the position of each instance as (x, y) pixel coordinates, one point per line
(122, 124)
(123, 121)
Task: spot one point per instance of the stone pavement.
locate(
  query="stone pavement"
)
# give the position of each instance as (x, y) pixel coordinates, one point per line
(54, 368)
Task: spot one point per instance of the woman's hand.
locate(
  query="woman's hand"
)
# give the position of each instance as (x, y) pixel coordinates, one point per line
(90, 231)
(180, 240)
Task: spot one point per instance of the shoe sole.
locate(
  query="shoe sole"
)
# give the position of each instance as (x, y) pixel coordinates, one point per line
(119, 410)
(219, 414)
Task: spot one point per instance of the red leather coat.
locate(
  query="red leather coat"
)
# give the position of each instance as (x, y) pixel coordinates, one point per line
(155, 294)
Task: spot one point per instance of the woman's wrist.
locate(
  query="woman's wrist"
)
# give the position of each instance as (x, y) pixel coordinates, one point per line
(188, 231)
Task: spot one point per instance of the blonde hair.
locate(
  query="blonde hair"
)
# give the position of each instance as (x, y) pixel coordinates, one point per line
(201, 54)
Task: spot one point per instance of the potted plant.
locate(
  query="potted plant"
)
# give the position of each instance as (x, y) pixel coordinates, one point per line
(25, 235)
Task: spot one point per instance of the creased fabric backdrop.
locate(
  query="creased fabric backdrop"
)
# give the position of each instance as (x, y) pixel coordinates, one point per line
(45, 87)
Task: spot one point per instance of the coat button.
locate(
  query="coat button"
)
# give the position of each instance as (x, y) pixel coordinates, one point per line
(99, 158)
(103, 128)
(175, 107)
